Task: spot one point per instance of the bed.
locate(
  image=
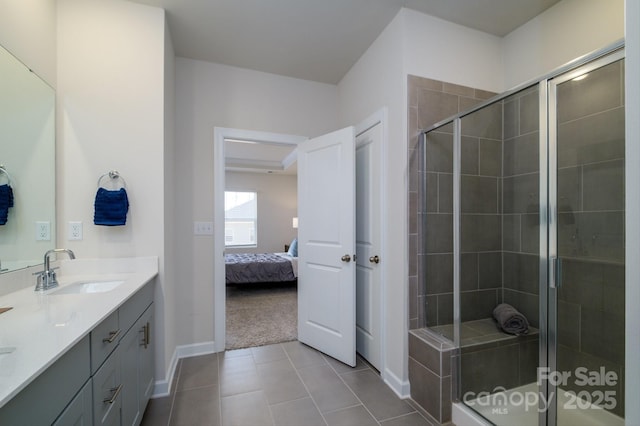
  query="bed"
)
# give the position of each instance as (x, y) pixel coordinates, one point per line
(244, 268)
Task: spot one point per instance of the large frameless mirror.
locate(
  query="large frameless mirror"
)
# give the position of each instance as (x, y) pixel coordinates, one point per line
(27, 160)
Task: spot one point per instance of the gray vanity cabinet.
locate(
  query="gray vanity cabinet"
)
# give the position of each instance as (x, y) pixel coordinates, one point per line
(136, 360)
(105, 379)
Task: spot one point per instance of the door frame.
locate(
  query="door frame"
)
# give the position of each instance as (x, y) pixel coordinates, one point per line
(220, 293)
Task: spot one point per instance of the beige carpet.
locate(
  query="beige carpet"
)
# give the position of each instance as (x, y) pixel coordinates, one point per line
(261, 314)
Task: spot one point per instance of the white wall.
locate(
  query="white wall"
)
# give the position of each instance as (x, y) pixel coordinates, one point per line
(632, 226)
(111, 62)
(570, 29)
(375, 81)
(211, 95)
(165, 307)
(418, 44)
(28, 30)
(444, 51)
(277, 206)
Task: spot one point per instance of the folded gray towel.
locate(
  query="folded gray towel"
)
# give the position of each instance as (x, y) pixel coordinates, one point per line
(510, 320)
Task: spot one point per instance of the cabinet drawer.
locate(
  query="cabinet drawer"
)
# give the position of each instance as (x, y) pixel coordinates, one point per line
(107, 388)
(131, 310)
(80, 411)
(104, 339)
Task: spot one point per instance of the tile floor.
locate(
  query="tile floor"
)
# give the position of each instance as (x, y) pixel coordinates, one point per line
(282, 384)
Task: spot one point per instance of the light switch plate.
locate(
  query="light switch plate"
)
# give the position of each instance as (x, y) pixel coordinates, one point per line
(203, 228)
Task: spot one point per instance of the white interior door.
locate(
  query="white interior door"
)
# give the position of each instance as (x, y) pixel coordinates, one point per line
(326, 244)
(368, 245)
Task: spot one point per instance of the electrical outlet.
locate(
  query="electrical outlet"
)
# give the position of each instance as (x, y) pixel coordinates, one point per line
(75, 231)
(203, 228)
(43, 231)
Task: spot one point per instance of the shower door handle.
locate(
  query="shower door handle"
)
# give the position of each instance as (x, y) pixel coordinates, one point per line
(556, 272)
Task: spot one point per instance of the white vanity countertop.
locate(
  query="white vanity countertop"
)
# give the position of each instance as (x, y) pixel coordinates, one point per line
(43, 326)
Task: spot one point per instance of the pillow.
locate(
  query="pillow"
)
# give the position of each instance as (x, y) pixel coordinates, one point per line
(293, 248)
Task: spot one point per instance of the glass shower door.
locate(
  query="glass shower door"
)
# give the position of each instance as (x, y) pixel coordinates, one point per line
(586, 244)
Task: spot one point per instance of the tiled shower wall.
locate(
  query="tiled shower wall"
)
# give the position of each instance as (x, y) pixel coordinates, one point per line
(430, 101)
(591, 239)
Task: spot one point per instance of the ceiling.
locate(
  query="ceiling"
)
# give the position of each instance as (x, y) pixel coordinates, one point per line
(317, 40)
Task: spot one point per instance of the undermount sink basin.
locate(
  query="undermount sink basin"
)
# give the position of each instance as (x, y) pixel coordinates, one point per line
(88, 287)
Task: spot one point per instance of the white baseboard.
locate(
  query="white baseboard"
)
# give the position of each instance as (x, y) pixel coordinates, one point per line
(163, 387)
(400, 387)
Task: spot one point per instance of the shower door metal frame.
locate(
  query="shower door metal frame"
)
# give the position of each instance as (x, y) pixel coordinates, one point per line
(548, 340)
(551, 263)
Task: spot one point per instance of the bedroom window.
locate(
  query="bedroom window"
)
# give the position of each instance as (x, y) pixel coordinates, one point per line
(240, 218)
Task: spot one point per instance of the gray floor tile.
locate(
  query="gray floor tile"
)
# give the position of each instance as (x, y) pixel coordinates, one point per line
(157, 412)
(198, 371)
(376, 395)
(269, 353)
(246, 409)
(354, 416)
(413, 419)
(236, 353)
(327, 389)
(301, 412)
(236, 364)
(302, 355)
(341, 367)
(280, 382)
(239, 382)
(196, 407)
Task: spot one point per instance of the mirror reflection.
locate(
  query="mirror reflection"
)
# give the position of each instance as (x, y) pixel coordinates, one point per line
(27, 158)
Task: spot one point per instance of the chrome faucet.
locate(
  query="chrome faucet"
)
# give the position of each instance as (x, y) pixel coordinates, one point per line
(46, 279)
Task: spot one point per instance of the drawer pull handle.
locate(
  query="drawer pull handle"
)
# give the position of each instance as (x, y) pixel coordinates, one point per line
(114, 396)
(146, 330)
(112, 336)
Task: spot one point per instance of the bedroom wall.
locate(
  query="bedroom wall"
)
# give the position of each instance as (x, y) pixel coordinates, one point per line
(277, 206)
(210, 95)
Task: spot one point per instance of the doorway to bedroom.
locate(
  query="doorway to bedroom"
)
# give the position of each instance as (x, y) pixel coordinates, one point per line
(260, 262)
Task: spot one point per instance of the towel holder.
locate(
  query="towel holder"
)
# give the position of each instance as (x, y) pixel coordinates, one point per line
(3, 171)
(114, 175)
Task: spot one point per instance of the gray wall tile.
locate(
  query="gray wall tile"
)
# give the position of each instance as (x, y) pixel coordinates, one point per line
(604, 186)
(598, 92)
(469, 151)
(490, 157)
(439, 273)
(598, 137)
(468, 271)
(522, 154)
(490, 270)
(480, 232)
(570, 189)
(439, 152)
(484, 123)
(529, 112)
(521, 194)
(511, 232)
(434, 107)
(478, 194)
(445, 193)
(439, 229)
(521, 272)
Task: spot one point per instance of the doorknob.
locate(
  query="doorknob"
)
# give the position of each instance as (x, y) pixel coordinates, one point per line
(374, 259)
(346, 258)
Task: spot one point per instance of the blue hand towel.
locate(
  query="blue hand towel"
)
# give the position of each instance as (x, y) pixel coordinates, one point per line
(111, 207)
(6, 201)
